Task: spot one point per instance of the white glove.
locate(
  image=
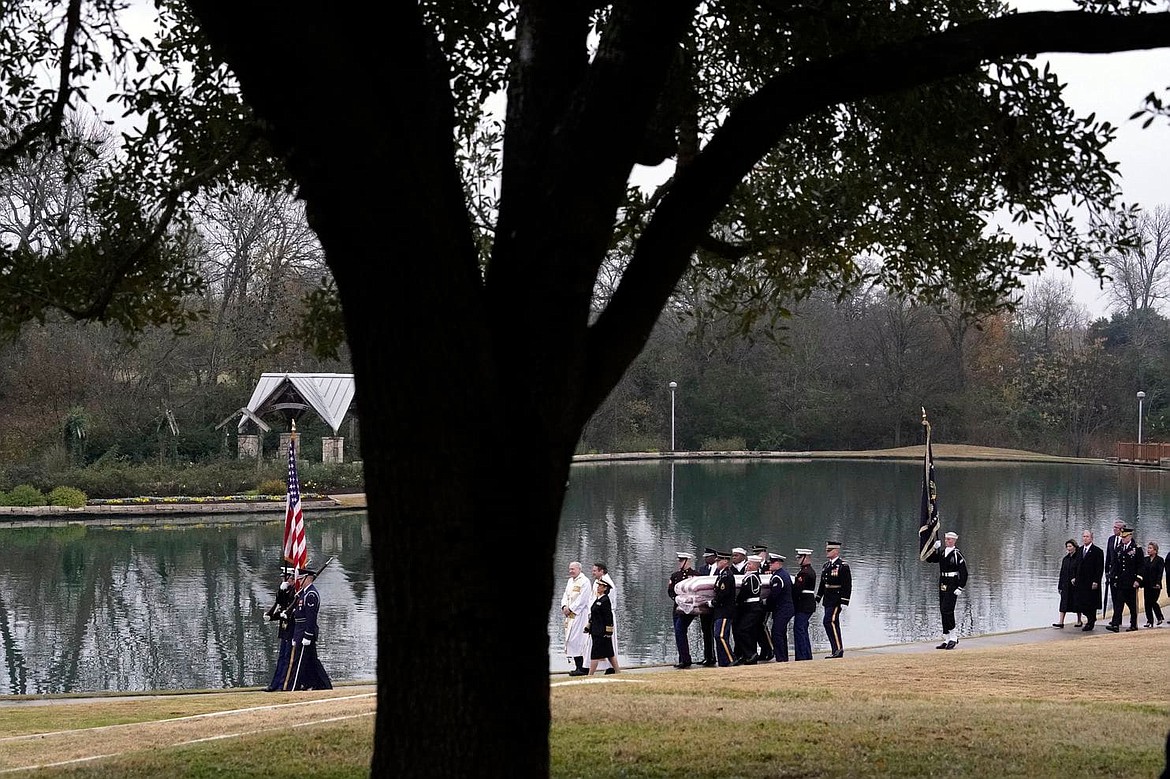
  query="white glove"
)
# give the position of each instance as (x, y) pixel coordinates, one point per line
(958, 590)
(284, 615)
(306, 641)
(844, 606)
(284, 585)
(937, 544)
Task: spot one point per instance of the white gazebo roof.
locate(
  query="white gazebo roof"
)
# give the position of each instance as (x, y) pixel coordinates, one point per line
(329, 394)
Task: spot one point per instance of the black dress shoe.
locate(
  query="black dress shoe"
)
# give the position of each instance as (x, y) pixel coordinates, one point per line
(765, 657)
(1112, 628)
(708, 663)
(609, 671)
(578, 672)
(1131, 628)
(952, 644)
(943, 645)
(751, 661)
(1087, 628)
(835, 655)
(1057, 624)
(682, 665)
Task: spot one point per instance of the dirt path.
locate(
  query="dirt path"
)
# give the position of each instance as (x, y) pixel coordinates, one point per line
(77, 745)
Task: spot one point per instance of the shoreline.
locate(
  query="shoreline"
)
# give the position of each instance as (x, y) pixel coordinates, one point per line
(138, 515)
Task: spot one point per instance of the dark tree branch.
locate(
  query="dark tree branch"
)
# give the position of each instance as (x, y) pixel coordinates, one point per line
(50, 125)
(758, 123)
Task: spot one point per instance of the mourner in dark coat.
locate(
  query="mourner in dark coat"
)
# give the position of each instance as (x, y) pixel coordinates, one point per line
(280, 613)
(1150, 581)
(1064, 582)
(723, 609)
(834, 591)
(1087, 583)
(307, 673)
(600, 628)
(804, 601)
(1127, 564)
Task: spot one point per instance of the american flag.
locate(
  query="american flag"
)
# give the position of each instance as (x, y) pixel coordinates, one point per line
(296, 552)
(928, 511)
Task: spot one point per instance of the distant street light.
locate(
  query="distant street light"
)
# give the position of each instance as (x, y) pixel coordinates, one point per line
(673, 386)
(1141, 397)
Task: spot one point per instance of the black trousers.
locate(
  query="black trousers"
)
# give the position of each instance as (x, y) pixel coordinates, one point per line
(747, 627)
(707, 626)
(1153, 610)
(1124, 595)
(946, 607)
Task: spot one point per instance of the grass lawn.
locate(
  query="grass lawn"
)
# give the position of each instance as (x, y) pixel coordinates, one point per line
(1098, 705)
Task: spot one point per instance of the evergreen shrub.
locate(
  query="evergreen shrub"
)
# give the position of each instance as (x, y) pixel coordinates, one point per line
(67, 496)
(723, 445)
(25, 495)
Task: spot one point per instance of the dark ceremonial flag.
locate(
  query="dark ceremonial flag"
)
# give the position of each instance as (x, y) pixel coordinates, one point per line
(928, 512)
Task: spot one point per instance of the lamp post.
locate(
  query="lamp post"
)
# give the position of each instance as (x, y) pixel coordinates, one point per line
(1141, 397)
(673, 386)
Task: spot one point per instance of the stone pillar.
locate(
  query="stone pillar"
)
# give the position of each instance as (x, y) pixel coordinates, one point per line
(249, 447)
(283, 452)
(332, 449)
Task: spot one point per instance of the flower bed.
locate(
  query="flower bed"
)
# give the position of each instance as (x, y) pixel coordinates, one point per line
(150, 500)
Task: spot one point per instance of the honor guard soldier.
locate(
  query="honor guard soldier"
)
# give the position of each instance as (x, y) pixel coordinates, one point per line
(780, 604)
(804, 602)
(763, 636)
(749, 607)
(1127, 563)
(723, 609)
(834, 590)
(682, 620)
(706, 619)
(280, 612)
(309, 673)
(952, 578)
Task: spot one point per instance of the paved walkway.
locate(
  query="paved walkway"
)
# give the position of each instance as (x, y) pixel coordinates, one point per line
(1025, 636)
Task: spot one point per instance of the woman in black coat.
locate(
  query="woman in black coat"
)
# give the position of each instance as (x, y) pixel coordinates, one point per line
(1150, 579)
(600, 628)
(1068, 571)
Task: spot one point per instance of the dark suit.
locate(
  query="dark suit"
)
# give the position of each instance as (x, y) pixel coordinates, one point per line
(1089, 572)
(707, 620)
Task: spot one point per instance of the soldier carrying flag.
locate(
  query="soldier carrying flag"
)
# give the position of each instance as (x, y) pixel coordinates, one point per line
(952, 568)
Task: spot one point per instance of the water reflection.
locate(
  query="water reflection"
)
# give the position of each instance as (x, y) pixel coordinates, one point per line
(86, 609)
(1012, 518)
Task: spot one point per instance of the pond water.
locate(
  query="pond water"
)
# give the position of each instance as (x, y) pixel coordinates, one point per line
(87, 609)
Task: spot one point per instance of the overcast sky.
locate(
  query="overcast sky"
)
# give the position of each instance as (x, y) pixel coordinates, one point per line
(1114, 86)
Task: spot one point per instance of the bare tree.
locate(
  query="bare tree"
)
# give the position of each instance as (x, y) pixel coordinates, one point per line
(1140, 275)
(1048, 315)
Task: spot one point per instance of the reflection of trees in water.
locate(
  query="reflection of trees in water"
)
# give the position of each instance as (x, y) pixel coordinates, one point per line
(102, 609)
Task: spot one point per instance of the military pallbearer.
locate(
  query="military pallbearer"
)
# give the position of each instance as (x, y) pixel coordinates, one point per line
(952, 578)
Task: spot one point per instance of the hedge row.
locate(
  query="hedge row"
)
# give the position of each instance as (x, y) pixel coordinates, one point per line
(124, 480)
(28, 495)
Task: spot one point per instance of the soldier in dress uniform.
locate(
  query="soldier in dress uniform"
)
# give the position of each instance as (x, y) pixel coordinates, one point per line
(305, 669)
(706, 618)
(749, 607)
(738, 561)
(682, 620)
(723, 609)
(780, 604)
(1127, 563)
(804, 601)
(763, 635)
(280, 613)
(834, 591)
(952, 578)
